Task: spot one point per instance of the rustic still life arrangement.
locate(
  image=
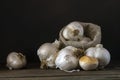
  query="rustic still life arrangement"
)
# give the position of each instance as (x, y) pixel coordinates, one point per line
(78, 47)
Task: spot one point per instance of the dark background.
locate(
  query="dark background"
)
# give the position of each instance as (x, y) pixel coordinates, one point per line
(26, 24)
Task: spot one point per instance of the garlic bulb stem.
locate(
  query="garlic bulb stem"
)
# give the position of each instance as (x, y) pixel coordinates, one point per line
(99, 46)
(57, 43)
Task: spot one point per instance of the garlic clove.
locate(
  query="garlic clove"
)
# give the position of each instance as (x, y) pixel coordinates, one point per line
(16, 60)
(73, 31)
(88, 63)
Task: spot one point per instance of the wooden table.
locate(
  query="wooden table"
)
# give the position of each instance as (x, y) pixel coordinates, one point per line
(34, 73)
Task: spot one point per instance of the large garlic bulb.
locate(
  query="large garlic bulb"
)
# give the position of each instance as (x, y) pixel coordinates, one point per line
(68, 59)
(16, 60)
(73, 31)
(88, 63)
(47, 54)
(100, 53)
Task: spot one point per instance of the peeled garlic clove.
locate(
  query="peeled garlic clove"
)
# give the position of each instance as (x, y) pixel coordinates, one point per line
(16, 60)
(47, 54)
(88, 63)
(100, 53)
(73, 31)
(67, 59)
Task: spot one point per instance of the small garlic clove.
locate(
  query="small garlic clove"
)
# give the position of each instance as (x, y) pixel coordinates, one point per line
(88, 63)
(16, 60)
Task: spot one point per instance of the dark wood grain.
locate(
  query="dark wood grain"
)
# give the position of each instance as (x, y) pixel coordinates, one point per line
(109, 73)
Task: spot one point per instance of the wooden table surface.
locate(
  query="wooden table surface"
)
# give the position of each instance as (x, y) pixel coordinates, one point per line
(34, 73)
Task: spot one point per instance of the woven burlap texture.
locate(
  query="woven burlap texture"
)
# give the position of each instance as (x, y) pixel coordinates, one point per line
(91, 31)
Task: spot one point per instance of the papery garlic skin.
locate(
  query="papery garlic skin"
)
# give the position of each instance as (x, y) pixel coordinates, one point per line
(88, 63)
(67, 59)
(100, 53)
(73, 31)
(47, 54)
(16, 60)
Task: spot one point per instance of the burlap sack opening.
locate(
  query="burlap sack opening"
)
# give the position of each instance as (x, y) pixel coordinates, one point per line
(91, 30)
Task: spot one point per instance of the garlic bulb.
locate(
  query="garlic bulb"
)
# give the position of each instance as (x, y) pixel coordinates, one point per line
(73, 31)
(100, 53)
(47, 54)
(16, 60)
(88, 63)
(67, 59)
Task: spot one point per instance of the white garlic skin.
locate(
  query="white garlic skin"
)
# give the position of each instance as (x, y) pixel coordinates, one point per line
(16, 60)
(88, 63)
(73, 31)
(47, 54)
(66, 59)
(100, 53)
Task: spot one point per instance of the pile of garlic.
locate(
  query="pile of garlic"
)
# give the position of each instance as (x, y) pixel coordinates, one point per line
(70, 58)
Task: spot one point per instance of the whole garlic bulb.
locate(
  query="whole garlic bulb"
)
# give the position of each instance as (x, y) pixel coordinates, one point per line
(16, 60)
(100, 53)
(67, 59)
(73, 31)
(88, 63)
(47, 54)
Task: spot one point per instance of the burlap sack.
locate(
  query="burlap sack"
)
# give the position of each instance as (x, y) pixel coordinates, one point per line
(91, 30)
